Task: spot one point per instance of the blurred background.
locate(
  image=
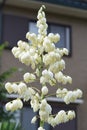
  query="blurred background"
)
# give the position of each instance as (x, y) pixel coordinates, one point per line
(69, 19)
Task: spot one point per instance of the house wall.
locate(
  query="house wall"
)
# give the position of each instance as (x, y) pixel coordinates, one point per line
(76, 64)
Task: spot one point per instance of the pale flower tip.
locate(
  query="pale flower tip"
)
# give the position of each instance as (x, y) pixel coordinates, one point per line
(8, 106)
(57, 38)
(8, 87)
(69, 79)
(14, 50)
(71, 115)
(65, 51)
(19, 43)
(80, 93)
(44, 90)
(28, 77)
(41, 128)
(22, 87)
(43, 6)
(58, 35)
(27, 35)
(34, 119)
(19, 102)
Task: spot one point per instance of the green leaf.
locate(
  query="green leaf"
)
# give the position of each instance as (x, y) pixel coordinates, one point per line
(2, 46)
(4, 125)
(8, 125)
(12, 125)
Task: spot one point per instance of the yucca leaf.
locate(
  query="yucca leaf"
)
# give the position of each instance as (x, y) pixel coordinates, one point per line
(12, 125)
(8, 125)
(5, 125)
(2, 46)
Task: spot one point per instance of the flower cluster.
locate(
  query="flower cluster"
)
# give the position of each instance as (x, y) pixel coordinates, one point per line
(14, 105)
(61, 117)
(47, 66)
(68, 96)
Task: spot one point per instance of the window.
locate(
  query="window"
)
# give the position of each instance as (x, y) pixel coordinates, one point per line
(26, 117)
(64, 31)
(14, 29)
(27, 114)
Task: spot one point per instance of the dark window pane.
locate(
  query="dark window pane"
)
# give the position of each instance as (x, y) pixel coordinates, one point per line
(61, 30)
(33, 28)
(26, 117)
(14, 29)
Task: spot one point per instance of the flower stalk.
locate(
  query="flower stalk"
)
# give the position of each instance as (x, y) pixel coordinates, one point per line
(41, 123)
(47, 65)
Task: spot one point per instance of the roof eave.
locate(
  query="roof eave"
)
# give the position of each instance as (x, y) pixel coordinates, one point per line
(52, 8)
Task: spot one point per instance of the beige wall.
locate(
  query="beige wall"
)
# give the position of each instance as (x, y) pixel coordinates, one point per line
(76, 64)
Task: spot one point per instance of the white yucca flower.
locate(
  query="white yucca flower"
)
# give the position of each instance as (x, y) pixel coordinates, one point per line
(45, 60)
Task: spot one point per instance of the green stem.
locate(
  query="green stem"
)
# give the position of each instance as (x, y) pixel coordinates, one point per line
(41, 66)
(36, 89)
(41, 123)
(53, 94)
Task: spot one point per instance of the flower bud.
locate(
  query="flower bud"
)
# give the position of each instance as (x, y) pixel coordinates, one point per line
(34, 119)
(44, 90)
(8, 87)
